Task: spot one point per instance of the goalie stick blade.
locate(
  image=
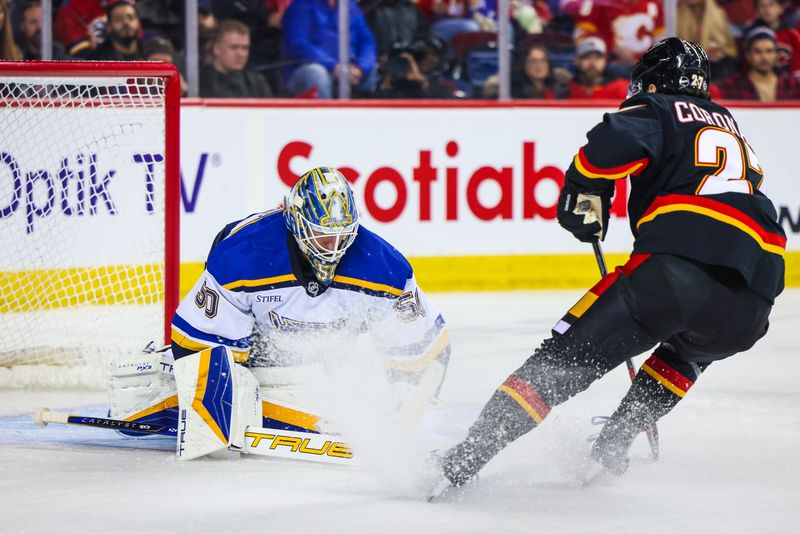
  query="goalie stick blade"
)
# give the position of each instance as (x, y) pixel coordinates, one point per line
(323, 448)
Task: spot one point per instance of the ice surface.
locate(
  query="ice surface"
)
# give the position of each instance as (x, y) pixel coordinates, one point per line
(729, 463)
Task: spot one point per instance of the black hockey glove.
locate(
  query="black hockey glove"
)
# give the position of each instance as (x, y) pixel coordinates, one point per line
(584, 214)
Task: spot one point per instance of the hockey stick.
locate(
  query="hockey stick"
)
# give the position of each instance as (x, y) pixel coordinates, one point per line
(272, 442)
(410, 416)
(652, 430)
(43, 416)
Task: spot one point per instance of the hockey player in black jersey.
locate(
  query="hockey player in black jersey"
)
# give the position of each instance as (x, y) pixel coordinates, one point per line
(706, 266)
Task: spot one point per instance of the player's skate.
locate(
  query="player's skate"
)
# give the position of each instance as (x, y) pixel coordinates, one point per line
(602, 467)
(612, 455)
(607, 461)
(456, 467)
(609, 456)
(439, 484)
(441, 487)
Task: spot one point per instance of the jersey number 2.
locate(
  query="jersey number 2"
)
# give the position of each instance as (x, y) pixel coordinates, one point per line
(732, 157)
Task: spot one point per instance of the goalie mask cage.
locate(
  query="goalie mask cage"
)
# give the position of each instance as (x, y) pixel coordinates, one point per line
(89, 215)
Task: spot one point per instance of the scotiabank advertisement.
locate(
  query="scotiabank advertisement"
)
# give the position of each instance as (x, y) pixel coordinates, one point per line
(435, 182)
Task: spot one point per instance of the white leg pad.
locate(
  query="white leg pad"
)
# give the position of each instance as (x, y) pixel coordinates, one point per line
(217, 400)
(248, 404)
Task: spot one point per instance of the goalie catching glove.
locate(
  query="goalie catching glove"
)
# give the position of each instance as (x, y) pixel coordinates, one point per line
(141, 389)
(584, 214)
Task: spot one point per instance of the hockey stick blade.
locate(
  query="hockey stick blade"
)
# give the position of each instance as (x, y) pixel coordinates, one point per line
(306, 446)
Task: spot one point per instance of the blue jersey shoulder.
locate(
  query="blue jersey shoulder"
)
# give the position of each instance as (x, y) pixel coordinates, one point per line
(253, 253)
(372, 265)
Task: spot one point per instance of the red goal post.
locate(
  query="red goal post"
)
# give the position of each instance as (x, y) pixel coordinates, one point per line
(89, 211)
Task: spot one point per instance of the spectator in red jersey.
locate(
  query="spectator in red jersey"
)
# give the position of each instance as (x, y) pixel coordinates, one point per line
(590, 80)
(533, 77)
(628, 28)
(770, 13)
(705, 23)
(122, 34)
(8, 49)
(80, 25)
(761, 82)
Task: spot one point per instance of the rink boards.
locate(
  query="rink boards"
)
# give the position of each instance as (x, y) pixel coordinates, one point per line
(467, 191)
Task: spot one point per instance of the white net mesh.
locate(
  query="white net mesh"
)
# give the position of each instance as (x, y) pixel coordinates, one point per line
(82, 215)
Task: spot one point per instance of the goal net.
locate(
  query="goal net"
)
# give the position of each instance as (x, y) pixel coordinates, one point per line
(89, 182)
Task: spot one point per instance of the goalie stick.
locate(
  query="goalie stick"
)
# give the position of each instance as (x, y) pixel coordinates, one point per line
(651, 431)
(271, 442)
(43, 416)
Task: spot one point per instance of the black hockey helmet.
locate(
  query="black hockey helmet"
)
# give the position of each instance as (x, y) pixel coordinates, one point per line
(674, 66)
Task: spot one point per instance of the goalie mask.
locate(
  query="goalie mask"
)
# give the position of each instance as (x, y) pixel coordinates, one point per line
(321, 214)
(674, 66)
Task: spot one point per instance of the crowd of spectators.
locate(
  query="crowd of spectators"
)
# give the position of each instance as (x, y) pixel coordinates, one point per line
(562, 49)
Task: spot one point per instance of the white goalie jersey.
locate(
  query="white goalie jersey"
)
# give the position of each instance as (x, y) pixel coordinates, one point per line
(259, 297)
